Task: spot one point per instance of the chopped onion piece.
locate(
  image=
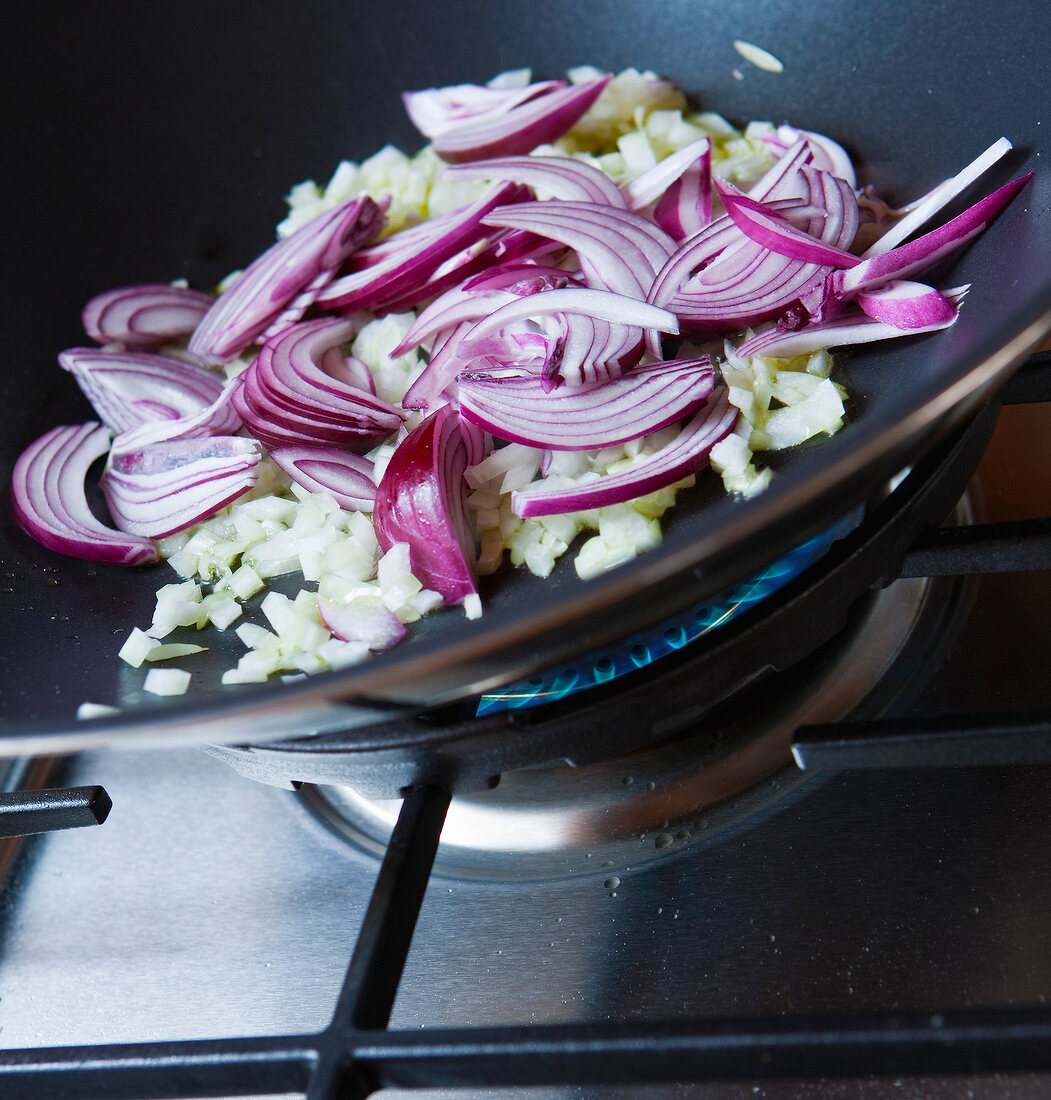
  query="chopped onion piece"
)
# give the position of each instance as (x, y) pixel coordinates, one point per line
(166, 681)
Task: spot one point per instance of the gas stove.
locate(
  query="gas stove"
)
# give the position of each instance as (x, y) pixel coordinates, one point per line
(835, 882)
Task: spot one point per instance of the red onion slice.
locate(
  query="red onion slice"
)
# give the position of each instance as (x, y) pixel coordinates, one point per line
(618, 249)
(536, 122)
(518, 408)
(478, 297)
(828, 155)
(50, 504)
(127, 388)
(274, 280)
(169, 486)
(923, 209)
(596, 303)
(285, 396)
(421, 501)
(685, 207)
(780, 181)
(432, 387)
(409, 260)
(776, 233)
(218, 418)
(561, 177)
(851, 326)
(436, 111)
(344, 476)
(923, 252)
(740, 282)
(651, 185)
(908, 305)
(592, 350)
(684, 455)
(146, 315)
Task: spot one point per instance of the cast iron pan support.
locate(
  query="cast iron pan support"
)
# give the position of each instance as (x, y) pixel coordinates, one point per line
(356, 1055)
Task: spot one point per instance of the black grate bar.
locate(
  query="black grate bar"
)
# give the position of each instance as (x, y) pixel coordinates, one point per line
(973, 1041)
(982, 740)
(1015, 546)
(159, 1071)
(383, 943)
(968, 1042)
(382, 946)
(26, 812)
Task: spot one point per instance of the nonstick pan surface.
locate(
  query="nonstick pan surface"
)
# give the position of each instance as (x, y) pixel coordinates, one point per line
(150, 142)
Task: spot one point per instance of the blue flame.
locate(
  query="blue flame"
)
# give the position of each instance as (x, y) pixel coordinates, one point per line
(640, 650)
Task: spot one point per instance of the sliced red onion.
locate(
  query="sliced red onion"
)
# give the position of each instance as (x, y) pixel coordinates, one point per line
(520, 277)
(907, 305)
(518, 408)
(279, 276)
(595, 303)
(286, 397)
(436, 111)
(348, 369)
(618, 249)
(829, 155)
(739, 282)
(561, 177)
(421, 501)
(685, 207)
(922, 210)
(478, 297)
(851, 326)
(408, 261)
(721, 241)
(780, 180)
(684, 455)
(218, 418)
(146, 315)
(758, 286)
(294, 311)
(431, 388)
(50, 504)
(649, 186)
(591, 350)
(127, 388)
(344, 476)
(923, 252)
(776, 233)
(369, 622)
(169, 486)
(537, 121)
(493, 250)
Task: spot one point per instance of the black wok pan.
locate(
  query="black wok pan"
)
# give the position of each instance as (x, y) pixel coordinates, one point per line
(153, 141)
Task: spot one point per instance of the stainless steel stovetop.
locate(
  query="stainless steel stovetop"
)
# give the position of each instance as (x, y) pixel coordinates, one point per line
(209, 906)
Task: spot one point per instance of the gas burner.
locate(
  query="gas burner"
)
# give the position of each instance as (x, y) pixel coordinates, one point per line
(723, 774)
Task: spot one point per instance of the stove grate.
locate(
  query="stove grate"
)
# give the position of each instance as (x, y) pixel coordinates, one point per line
(356, 1056)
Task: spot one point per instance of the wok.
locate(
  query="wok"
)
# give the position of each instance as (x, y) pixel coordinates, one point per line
(155, 141)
